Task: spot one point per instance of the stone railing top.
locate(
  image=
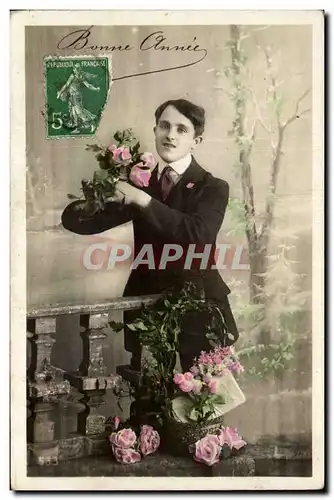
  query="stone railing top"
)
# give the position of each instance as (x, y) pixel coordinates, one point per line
(117, 304)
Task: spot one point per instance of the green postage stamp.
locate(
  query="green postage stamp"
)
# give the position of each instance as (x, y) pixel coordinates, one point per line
(76, 92)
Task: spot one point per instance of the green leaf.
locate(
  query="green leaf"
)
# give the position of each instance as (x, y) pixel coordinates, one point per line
(135, 148)
(73, 197)
(116, 326)
(218, 399)
(140, 326)
(117, 136)
(100, 175)
(93, 147)
(193, 414)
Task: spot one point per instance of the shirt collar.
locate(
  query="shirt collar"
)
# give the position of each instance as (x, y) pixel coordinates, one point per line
(179, 166)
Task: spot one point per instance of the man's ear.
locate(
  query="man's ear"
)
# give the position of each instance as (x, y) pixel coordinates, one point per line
(198, 140)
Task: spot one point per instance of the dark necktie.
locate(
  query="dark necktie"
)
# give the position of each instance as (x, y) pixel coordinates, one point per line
(167, 181)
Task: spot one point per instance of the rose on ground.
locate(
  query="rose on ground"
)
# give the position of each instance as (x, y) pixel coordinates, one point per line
(149, 440)
(126, 455)
(207, 450)
(116, 421)
(230, 436)
(124, 438)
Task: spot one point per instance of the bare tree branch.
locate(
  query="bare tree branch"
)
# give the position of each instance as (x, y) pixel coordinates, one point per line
(252, 134)
(224, 89)
(263, 124)
(246, 173)
(297, 113)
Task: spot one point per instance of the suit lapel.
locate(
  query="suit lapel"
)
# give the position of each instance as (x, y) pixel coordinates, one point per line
(180, 192)
(154, 187)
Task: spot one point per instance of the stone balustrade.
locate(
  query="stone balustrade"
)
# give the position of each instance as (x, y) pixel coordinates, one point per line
(49, 386)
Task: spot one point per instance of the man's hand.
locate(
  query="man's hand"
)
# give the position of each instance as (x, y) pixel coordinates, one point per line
(127, 194)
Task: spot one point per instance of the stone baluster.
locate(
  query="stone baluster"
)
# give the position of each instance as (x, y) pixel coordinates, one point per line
(44, 389)
(93, 374)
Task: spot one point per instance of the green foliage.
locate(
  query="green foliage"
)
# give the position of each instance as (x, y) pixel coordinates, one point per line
(158, 329)
(203, 406)
(269, 359)
(102, 186)
(239, 218)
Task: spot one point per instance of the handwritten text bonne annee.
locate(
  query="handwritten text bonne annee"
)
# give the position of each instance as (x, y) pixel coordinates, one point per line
(80, 39)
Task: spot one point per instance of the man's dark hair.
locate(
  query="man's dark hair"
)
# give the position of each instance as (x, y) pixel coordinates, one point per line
(194, 113)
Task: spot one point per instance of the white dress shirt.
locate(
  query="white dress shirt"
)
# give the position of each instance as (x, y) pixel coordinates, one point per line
(179, 167)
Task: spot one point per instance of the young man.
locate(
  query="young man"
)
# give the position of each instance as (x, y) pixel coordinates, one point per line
(183, 205)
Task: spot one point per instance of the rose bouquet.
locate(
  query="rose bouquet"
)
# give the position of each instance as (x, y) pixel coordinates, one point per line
(121, 160)
(212, 447)
(200, 384)
(128, 447)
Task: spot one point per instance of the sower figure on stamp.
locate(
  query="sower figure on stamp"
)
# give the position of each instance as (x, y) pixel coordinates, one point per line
(183, 205)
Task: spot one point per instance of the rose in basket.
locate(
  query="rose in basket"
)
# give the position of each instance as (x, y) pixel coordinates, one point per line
(201, 385)
(128, 447)
(121, 160)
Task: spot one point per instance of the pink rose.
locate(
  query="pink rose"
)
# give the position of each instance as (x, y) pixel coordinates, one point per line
(188, 376)
(212, 385)
(186, 386)
(140, 176)
(126, 455)
(207, 450)
(230, 436)
(149, 440)
(190, 185)
(148, 159)
(116, 152)
(116, 422)
(178, 378)
(120, 154)
(126, 155)
(124, 438)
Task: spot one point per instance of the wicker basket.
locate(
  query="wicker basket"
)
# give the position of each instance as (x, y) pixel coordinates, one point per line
(177, 436)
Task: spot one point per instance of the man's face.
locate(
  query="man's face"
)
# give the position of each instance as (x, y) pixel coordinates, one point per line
(174, 135)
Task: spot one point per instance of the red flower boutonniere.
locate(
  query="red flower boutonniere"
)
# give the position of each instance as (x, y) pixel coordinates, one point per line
(190, 185)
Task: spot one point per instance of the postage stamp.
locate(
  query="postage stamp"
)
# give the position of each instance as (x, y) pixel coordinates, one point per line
(76, 91)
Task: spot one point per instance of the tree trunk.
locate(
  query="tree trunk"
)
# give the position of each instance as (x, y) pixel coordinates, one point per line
(258, 269)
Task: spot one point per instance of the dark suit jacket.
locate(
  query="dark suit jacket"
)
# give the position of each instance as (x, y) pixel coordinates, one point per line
(190, 215)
